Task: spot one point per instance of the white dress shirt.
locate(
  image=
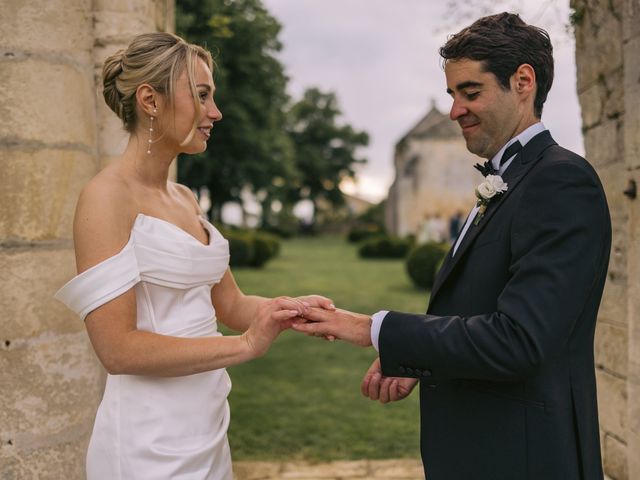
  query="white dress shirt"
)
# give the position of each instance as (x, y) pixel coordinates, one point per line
(524, 137)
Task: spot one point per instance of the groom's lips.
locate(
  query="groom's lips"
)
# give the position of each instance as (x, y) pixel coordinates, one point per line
(466, 128)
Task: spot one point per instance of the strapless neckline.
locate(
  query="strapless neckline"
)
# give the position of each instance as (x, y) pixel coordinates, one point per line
(206, 225)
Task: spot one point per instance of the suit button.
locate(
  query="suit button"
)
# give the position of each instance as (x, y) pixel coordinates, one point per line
(402, 369)
(426, 373)
(411, 371)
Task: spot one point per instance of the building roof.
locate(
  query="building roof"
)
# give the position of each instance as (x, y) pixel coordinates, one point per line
(434, 125)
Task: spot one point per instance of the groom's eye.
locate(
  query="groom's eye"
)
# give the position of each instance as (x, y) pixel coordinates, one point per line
(472, 95)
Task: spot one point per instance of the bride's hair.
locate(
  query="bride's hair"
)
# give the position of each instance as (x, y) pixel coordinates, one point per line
(157, 59)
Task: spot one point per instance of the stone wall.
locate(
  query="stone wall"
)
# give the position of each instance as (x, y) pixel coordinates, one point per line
(55, 134)
(608, 73)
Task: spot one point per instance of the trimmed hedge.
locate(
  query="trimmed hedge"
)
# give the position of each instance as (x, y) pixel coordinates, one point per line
(424, 261)
(385, 247)
(357, 234)
(252, 249)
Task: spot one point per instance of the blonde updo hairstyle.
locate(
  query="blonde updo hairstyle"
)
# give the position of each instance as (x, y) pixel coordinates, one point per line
(157, 59)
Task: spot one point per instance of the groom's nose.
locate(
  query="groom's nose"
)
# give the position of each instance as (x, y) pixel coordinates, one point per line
(458, 109)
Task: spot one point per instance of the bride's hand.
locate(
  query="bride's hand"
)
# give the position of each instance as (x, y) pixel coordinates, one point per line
(272, 317)
(320, 302)
(317, 301)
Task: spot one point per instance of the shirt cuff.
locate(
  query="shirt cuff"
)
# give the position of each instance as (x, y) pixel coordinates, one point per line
(376, 323)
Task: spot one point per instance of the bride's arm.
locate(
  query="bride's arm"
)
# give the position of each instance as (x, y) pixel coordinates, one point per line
(123, 349)
(101, 228)
(233, 308)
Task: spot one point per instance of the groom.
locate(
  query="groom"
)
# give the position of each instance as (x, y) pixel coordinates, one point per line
(504, 354)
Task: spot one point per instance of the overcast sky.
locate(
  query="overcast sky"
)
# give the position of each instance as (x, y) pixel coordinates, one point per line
(381, 58)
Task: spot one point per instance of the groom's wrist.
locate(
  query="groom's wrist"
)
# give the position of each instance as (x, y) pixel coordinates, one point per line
(376, 323)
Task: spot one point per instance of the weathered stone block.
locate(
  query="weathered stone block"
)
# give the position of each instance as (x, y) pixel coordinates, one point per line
(132, 7)
(631, 19)
(613, 309)
(118, 25)
(604, 143)
(592, 104)
(631, 95)
(615, 458)
(112, 137)
(28, 308)
(599, 41)
(614, 105)
(615, 177)
(612, 404)
(633, 460)
(62, 461)
(37, 26)
(69, 116)
(611, 348)
(41, 187)
(51, 385)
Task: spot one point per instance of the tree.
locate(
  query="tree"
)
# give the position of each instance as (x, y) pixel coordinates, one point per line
(325, 152)
(249, 147)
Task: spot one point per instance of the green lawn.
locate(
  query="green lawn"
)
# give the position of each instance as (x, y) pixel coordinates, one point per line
(302, 400)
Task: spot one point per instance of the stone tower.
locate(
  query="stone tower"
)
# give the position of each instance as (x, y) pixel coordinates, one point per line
(608, 73)
(433, 175)
(55, 134)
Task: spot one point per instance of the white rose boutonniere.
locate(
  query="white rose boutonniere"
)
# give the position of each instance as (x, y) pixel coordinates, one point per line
(492, 186)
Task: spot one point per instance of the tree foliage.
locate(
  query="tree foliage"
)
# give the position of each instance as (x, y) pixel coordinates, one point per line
(249, 147)
(325, 152)
(280, 152)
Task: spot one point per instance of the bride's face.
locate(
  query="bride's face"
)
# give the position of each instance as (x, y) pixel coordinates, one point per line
(179, 125)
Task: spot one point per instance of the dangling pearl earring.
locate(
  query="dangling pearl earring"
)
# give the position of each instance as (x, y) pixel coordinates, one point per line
(150, 132)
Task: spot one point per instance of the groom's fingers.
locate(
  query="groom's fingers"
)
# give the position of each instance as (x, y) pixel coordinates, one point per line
(319, 314)
(374, 386)
(385, 385)
(316, 329)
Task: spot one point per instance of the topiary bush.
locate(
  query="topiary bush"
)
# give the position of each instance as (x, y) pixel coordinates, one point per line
(362, 232)
(423, 263)
(240, 248)
(262, 251)
(385, 247)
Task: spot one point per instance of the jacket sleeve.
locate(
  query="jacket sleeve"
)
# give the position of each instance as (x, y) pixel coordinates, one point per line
(560, 240)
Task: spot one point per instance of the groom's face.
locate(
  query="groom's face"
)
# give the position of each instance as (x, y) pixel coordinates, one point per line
(487, 113)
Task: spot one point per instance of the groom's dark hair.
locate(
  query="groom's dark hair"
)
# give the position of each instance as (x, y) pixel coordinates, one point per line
(502, 43)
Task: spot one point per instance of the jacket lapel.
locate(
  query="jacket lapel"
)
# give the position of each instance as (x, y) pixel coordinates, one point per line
(521, 164)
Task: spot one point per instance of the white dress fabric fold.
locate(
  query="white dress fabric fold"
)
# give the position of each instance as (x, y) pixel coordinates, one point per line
(151, 427)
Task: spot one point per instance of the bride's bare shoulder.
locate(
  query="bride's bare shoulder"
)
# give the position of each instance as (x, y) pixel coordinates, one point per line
(104, 214)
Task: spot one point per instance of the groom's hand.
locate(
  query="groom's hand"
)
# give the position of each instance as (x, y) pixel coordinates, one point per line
(342, 324)
(386, 389)
(321, 302)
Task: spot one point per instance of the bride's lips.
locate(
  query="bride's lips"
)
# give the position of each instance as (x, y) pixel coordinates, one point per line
(205, 131)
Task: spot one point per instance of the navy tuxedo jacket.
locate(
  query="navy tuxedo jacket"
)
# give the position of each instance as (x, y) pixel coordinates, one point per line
(505, 350)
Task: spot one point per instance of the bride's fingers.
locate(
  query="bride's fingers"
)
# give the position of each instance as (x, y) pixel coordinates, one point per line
(286, 303)
(282, 315)
(319, 301)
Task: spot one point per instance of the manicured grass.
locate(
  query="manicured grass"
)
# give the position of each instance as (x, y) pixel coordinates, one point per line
(302, 400)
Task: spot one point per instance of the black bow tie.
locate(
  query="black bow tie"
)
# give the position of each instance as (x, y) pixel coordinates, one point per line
(487, 168)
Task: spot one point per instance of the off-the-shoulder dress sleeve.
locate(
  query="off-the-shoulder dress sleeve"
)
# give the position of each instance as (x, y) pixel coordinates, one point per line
(102, 282)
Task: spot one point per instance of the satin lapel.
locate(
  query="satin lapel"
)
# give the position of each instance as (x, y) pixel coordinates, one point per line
(520, 165)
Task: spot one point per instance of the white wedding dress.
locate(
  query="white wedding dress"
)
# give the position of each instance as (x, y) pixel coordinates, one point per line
(152, 427)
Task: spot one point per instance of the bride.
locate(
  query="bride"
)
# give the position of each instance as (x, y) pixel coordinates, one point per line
(154, 279)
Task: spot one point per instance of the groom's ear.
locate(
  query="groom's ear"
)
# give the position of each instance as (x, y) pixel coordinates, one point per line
(524, 80)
